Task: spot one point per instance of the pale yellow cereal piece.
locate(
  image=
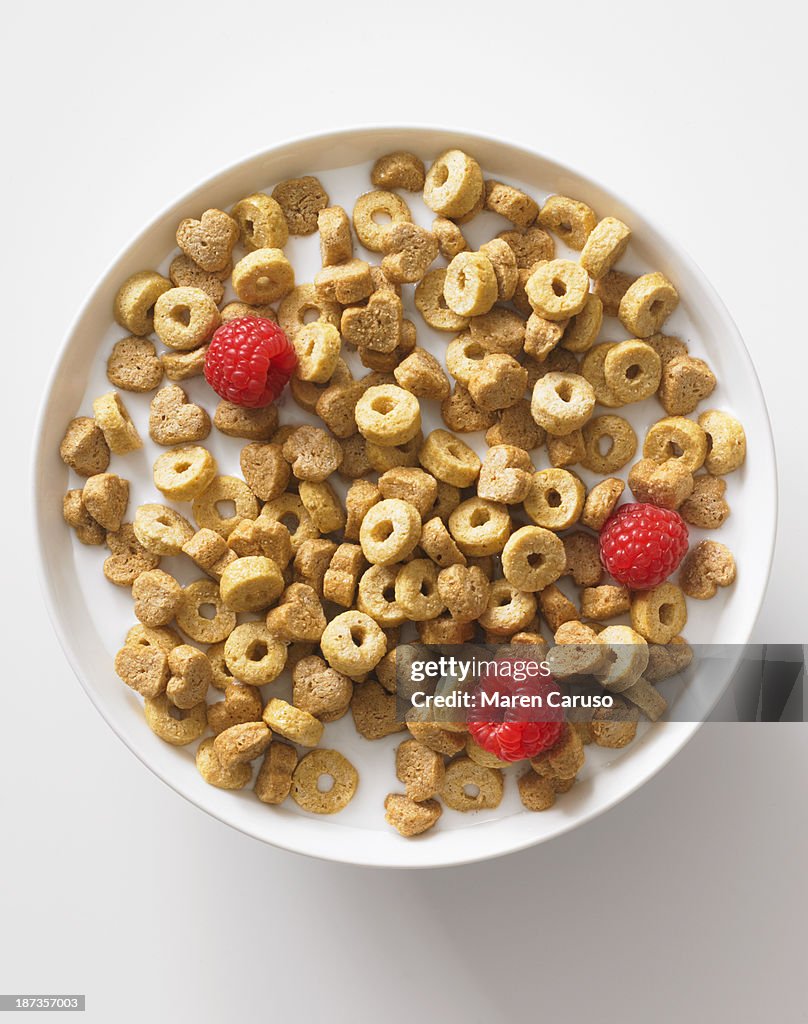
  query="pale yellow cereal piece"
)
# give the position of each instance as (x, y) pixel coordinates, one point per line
(116, 424)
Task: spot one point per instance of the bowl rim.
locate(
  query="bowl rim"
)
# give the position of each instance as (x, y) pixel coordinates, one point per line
(410, 855)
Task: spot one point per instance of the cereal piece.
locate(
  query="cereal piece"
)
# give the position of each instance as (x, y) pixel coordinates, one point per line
(503, 261)
(647, 304)
(361, 497)
(185, 318)
(355, 462)
(562, 402)
(241, 744)
(626, 660)
(221, 676)
(611, 288)
(376, 597)
(208, 241)
(209, 551)
(399, 170)
(300, 199)
(409, 817)
(708, 566)
(422, 375)
(191, 676)
(481, 756)
(464, 591)
(224, 491)
(294, 310)
(530, 246)
(265, 470)
(178, 730)
(555, 499)
(444, 630)
(601, 502)
(144, 669)
(353, 643)
(253, 655)
(410, 484)
(88, 531)
(416, 590)
(163, 637)
(133, 365)
(317, 346)
(252, 424)
(563, 760)
(583, 328)
(342, 576)
(420, 769)
(196, 596)
(374, 711)
(604, 602)
(706, 507)
(511, 203)
(505, 475)
(390, 531)
(450, 237)
(214, 772)
(184, 365)
(345, 283)
(84, 447)
(161, 530)
(430, 302)
(437, 542)
(659, 614)
(408, 251)
(134, 303)
(454, 184)
(665, 661)
(236, 310)
(583, 558)
(556, 607)
(263, 276)
(299, 617)
(120, 433)
(509, 609)
(251, 583)
(313, 453)
(387, 415)
(306, 791)
(666, 347)
(480, 527)
(461, 413)
(649, 700)
(105, 497)
(470, 286)
(499, 383)
(666, 485)
(535, 792)
(447, 500)
(606, 243)
(632, 371)
(157, 596)
(336, 243)
(578, 651)
(312, 558)
(377, 325)
(274, 779)
(533, 558)
(726, 442)
(261, 223)
(676, 433)
(184, 273)
(620, 449)
(321, 690)
(593, 368)
(175, 420)
(566, 450)
(570, 219)
(368, 207)
(323, 505)
(542, 336)
(184, 473)
(464, 356)
(516, 426)
(128, 558)
(469, 786)
(557, 289)
(685, 382)
(614, 727)
(289, 509)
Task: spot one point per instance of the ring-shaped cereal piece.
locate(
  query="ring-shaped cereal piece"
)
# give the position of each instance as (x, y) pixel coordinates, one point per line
(388, 415)
(214, 772)
(454, 184)
(468, 786)
(263, 276)
(557, 289)
(205, 630)
(161, 530)
(431, 303)
(726, 442)
(367, 208)
(134, 303)
(185, 318)
(449, 459)
(383, 457)
(224, 490)
(261, 222)
(676, 437)
(584, 327)
(533, 558)
(184, 473)
(632, 371)
(570, 219)
(417, 590)
(302, 301)
(306, 790)
(253, 654)
(390, 531)
(289, 510)
(317, 346)
(509, 609)
(555, 499)
(647, 304)
(606, 244)
(464, 355)
(352, 643)
(593, 368)
(175, 726)
(251, 583)
(562, 402)
(628, 661)
(621, 449)
(470, 286)
(376, 596)
(480, 527)
(659, 614)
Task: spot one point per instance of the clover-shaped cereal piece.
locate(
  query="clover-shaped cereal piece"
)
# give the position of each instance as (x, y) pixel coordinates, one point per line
(251, 583)
(178, 728)
(533, 558)
(570, 219)
(116, 424)
(563, 760)
(133, 365)
(726, 442)
(706, 507)
(562, 402)
(556, 607)
(184, 473)
(263, 276)
(430, 302)
(191, 676)
(503, 261)
(265, 469)
(600, 502)
(470, 287)
(376, 598)
(707, 566)
(274, 779)
(237, 500)
(685, 382)
(408, 251)
(461, 413)
(204, 594)
(516, 426)
(376, 326)
(464, 590)
(667, 484)
(505, 475)
(480, 527)
(306, 789)
(336, 242)
(299, 617)
(454, 184)
(157, 596)
(105, 497)
(209, 551)
(175, 420)
(450, 237)
(676, 438)
(647, 304)
(313, 453)
(400, 169)
(410, 817)
(463, 777)
(84, 447)
(210, 240)
(294, 311)
(241, 744)
(371, 232)
(390, 531)
(422, 375)
(659, 614)
(301, 199)
(555, 498)
(499, 383)
(215, 773)
(144, 669)
(184, 273)
(260, 222)
(134, 303)
(128, 558)
(557, 289)
(185, 318)
(388, 415)
(604, 602)
(74, 513)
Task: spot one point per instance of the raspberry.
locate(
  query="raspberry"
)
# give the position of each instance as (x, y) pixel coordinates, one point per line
(249, 361)
(518, 732)
(641, 545)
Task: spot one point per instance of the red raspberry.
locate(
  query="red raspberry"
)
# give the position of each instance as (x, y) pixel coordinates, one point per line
(249, 361)
(517, 732)
(641, 545)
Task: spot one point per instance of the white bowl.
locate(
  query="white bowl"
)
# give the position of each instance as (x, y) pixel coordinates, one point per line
(91, 617)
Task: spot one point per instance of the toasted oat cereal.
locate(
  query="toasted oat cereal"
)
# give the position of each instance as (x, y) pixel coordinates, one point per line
(387, 415)
(499, 383)
(509, 610)
(191, 676)
(408, 251)
(632, 371)
(84, 447)
(185, 318)
(614, 727)
(685, 382)
(583, 328)
(533, 558)
(557, 289)
(659, 614)
(250, 583)
(505, 475)
(301, 199)
(128, 558)
(647, 304)
(511, 203)
(450, 237)
(463, 776)
(583, 558)
(542, 336)
(253, 655)
(604, 602)
(464, 591)
(241, 744)
(294, 310)
(556, 608)
(707, 566)
(261, 222)
(606, 243)
(252, 424)
(161, 530)
(184, 273)
(570, 219)
(516, 426)
(184, 473)
(317, 346)
(144, 669)
(115, 423)
(105, 497)
(454, 184)
(224, 491)
(673, 435)
(163, 637)
(409, 817)
(620, 448)
(88, 531)
(306, 791)
(554, 499)
(204, 594)
(353, 643)
(157, 596)
(242, 703)
(345, 283)
(371, 231)
(562, 402)
(667, 484)
(134, 303)
(726, 442)
(480, 527)
(214, 772)
(470, 287)
(430, 302)
(439, 545)
(376, 597)
(627, 658)
(209, 551)
(274, 780)
(706, 507)
(600, 502)
(503, 261)
(184, 365)
(416, 590)
(399, 170)
(178, 730)
(175, 420)
(263, 276)
(390, 531)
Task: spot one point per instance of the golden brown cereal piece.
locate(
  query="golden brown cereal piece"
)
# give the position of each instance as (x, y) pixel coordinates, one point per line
(505, 475)
(445, 630)
(242, 703)
(235, 310)
(313, 453)
(105, 497)
(516, 426)
(294, 310)
(708, 566)
(420, 769)
(447, 500)
(175, 420)
(454, 184)
(666, 347)
(388, 415)
(376, 598)
(185, 318)
(221, 676)
(384, 457)
(726, 442)
(535, 792)
(601, 502)
(627, 658)
(299, 617)
(666, 485)
(196, 596)
(133, 365)
(111, 416)
(464, 356)
(210, 508)
(134, 304)
(571, 220)
(375, 326)
(290, 510)
(614, 727)
(499, 383)
(562, 402)
(430, 302)
(509, 609)
(667, 436)
(250, 583)
(184, 273)
(464, 591)
(503, 261)
(562, 761)
(162, 637)
(390, 531)
(659, 614)
(649, 700)
(469, 786)
(611, 288)
(408, 251)
(312, 558)
(214, 772)
(161, 530)
(555, 499)
(500, 330)
(450, 237)
(300, 199)
(353, 643)
(161, 718)
(409, 817)
(530, 246)
(666, 660)
(210, 552)
(371, 231)
(593, 368)
(252, 424)
(191, 676)
(253, 655)
(583, 558)
(345, 282)
(342, 576)
(542, 336)
(374, 711)
(606, 243)
(461, 413)
(144, 669)
(362, 496)
(444, 737)
(416, 590)
(184, 365)
(557, 289)
(399, 170)
(410, 484)
(556, 607)
(263, 276)
(422, 375)
(566, 450)
(274, 780)
(88, 531)
(336, 243)
(241, 744)
(480, 527)
(632, 371)
(470, 287)
(323, 505)
(511, 203)
(157, 597)
(437, 542)
(386, 669)
(583, 328)
(578, 651)
(84, 447)
(265, 470)
(355, 462)
(208, 241)
(647, 304)
(184, 473)
(260, 222)
(321, 690)
(685, 382)
(128, 558)
(706, 507)
(620, 449)
(306, 790)
(533, 558)
(317, 346)
(604, 602)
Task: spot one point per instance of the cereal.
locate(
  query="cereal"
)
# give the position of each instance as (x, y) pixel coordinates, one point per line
(570, 219)
(556, 608)
(336, 242)
(449, 459)
(342, 576)
(253, 655)
(133, 308)
(464, 591)
(480, 527)
(614, 727)
(345, 282)
(706, 507)
(707, 566)
(562, 402)
(185, 318)
(317, 346)
(468, 786)
(88, 531)
(361, 496)
(649, 700)
(241, 744)
(161, 530)
(604, 602)
(299, 617)
(676, 438)
(410, 484)
(430, 302)
(632, 371)
(593, 368)
(105, 497)
(313, 454)
(163, 637)
(499, 383)
(234, 496)
(647, 304)
(204, 594)
(265, 470)
(261, 223)
(611, 288)
(208, 241)
(420, 769)
(606, 243)
(288, 509)
(470, 286)
(191, 676)
(438, 544)
(374, 711)
(387, 415)
(144, 669)
(533, 558)
(322, 504)
(115, 423)
(355, 462)
(236, 310)
(300, 199)
(209, 551)
(726, 442)
(464, 356)
(178, 731)
(184, 365)
(252, 424)
(583, 558)
(376, 596)
(306, 790)
(542, 336)
(685, 382)
(445, 630)
(583, 328)
(353, 643)
(214, 772)
(665, 661)
(371, 231)
(274, 779)
(511, 203)
(312, 558)
(299, 303)
(416, 590)
(84, 447)
(422, 375)
(450, 237)
(555, 499)
(667, 484)
(175, 420)
(157, 596)
(409, 817)
(659, 614)
(376, 326)
(408, 251)
(620, 449)
(627, 661)
(128, 558)
(133, 365)
(562, 761)
(390, 531)
(454, 184)
(566, 450)
(221, 676)
(503, 261)
(321, 690)
(509, 609)
(263, 276)
(535, 792)
(505, 475)
(184, 473)
(516, 426)
(557, 289)
(250, 583)
(184, 273)
(600, 502)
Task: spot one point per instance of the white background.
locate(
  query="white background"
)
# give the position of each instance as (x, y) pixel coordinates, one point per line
(685, 902)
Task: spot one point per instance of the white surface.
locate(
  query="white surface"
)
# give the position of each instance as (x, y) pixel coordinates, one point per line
(692, 892)
(92, 617)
